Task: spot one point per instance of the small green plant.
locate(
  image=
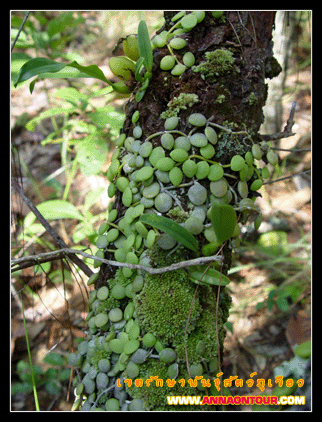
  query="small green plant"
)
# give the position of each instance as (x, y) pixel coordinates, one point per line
(53, 378)
(123, 67)
(282, 296)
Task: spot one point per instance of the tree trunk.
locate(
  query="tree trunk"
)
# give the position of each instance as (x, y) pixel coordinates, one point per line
(163, 326)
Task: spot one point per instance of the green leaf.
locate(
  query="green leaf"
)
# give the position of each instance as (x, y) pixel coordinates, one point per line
(53, 210)
(172, 228)
(212, 276)
(138, 68)
(17, 60)
(31, 125)
(47, 67)
(145, 48)
(139, 95)
(71, 95)
(303, 350)
(35, 67)
(91, 71)
(92, 154)
(54, 359)
(223, 220)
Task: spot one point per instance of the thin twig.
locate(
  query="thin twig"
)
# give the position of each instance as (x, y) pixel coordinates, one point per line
(287, 177)
(291, 149)
(20, 29)
(50, 230)
(287, 129)
(33, 259)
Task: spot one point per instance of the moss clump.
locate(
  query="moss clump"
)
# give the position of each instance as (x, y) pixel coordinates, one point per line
(169, 296)
(218, 62)
(179, 103)
(252, 99)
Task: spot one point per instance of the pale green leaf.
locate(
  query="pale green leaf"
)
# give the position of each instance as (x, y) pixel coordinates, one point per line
(54, 210)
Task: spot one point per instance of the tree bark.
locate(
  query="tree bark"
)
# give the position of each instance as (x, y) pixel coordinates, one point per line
(230, 91)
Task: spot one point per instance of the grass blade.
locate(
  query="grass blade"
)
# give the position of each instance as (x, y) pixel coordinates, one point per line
(29, 356)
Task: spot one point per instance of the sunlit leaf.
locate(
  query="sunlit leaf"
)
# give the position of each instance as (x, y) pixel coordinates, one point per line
(53, 210)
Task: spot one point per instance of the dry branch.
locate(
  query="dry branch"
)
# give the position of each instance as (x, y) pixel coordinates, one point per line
(50, 230)
(287, 129)
(29, 261)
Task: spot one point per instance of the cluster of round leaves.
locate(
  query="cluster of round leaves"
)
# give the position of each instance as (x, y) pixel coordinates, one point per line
(183, 23)
(157, 179)
(180, 170)
(115, 348)
(120, 346)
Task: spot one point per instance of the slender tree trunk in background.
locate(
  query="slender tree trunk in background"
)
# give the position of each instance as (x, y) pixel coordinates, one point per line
(283, 37)
(229, 89)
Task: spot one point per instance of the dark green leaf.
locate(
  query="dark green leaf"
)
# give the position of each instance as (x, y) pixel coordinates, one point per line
(52, 386)
(139, 95)
(42, 66)
(223, 220)
(212, 276)
(54, 359)
(138, 68)
(145, 48)
(172, 228)
(91, 71)
(35, 67)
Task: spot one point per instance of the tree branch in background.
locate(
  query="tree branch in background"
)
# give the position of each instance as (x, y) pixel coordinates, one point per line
(287, 129)
(50, 230)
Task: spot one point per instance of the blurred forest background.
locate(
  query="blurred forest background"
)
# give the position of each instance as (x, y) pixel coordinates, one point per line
(61, 143)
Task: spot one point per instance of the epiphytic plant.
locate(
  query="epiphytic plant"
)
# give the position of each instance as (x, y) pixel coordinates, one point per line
(183, 184)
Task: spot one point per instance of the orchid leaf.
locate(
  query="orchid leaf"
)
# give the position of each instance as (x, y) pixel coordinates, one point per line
(197, 275)
(173, 229)
(43, 67)
(145, 48)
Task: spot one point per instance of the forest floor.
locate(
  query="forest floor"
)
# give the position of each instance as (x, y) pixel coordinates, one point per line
(259, 338)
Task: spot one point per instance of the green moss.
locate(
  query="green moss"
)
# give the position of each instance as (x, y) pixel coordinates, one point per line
(229, 145)
(155, 398)
(218, 62)
(252, 99)
(220, 99)
(178, 215)
(179, 103)
(163, 305)
(204, 330)
(272, 68)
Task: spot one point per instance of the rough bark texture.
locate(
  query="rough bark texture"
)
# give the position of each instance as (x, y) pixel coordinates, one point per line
(231, 91)
(248, 36)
